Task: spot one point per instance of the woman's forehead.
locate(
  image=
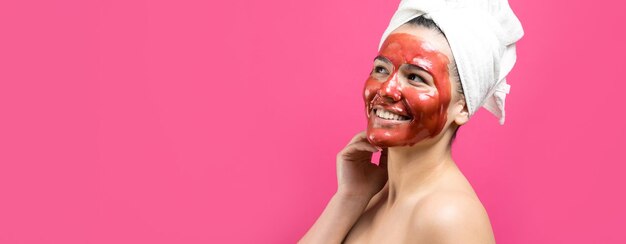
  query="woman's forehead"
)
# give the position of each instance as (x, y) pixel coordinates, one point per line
(405, 48)
(430, 37)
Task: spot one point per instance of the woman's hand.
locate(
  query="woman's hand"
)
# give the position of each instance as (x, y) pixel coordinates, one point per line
(359, 180)
(357, 176)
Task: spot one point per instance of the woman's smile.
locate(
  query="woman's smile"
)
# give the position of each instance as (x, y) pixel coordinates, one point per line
(389, 115)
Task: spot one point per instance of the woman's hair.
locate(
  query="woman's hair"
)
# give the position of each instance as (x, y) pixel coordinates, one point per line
(430, 24)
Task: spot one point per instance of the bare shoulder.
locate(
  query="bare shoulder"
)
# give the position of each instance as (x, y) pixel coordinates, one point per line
(451, 217)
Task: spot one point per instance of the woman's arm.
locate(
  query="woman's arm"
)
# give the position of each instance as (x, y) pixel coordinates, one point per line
(338, 217)
(358, 181)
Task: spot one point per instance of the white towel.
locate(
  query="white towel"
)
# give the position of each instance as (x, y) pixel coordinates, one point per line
(482, 36)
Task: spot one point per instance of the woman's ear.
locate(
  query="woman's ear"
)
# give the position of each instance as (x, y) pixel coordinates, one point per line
(461, 114)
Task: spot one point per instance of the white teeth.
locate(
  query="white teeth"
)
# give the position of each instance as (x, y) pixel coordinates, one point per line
(384, 114)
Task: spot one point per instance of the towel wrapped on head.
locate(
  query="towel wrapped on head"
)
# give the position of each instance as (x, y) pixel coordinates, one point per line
(482, 36)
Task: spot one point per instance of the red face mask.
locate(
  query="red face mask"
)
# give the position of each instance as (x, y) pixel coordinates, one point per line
(408, 92)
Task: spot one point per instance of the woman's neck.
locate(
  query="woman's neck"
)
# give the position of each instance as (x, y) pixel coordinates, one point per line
(413, 169)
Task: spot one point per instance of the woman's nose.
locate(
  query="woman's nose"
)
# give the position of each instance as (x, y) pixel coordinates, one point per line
(391, 88)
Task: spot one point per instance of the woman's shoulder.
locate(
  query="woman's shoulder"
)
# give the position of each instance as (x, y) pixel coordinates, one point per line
(448, 206)
(451, 216)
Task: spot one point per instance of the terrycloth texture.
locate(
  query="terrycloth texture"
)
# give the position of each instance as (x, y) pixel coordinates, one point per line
(482, 36)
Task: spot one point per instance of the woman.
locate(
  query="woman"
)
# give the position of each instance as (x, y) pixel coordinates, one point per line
(424, 84)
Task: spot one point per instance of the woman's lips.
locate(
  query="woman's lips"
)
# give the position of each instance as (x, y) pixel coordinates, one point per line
(384, 118)
(384, 114)
(389, 115)
(385, 110)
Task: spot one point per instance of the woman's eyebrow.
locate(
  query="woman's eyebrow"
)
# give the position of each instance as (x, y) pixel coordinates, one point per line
(416, 67)
(382, 59)
(413, 66)
(421, 63)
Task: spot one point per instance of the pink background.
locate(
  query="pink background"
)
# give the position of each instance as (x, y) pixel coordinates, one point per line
(219, 121)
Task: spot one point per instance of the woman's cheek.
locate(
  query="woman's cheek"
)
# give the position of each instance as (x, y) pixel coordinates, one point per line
(371, 88)
(422, 103)
(426, 108)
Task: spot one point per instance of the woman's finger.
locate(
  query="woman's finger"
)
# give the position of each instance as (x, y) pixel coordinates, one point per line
(358, 137)
(383, 159)
(360, 146)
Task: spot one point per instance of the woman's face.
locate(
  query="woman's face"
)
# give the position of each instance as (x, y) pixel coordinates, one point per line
(408, 91)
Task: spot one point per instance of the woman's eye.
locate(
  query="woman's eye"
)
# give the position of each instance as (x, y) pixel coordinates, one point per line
(416, 78)
(380, 70)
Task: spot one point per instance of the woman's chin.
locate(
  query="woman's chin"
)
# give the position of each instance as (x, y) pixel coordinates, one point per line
(385, 138)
